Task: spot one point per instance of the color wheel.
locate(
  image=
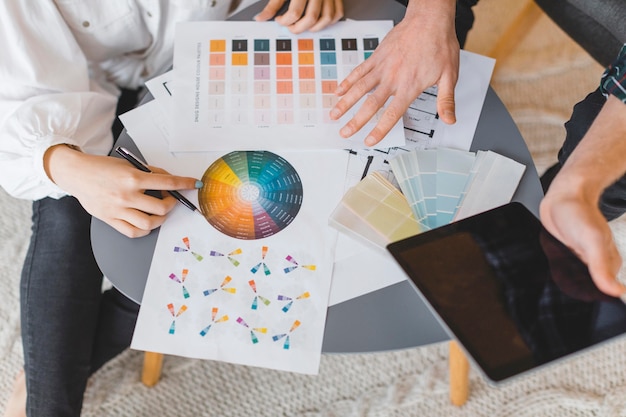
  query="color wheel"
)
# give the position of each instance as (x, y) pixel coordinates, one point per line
(250, 194)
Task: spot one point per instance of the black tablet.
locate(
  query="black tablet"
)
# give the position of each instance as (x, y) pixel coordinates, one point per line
(512, 295)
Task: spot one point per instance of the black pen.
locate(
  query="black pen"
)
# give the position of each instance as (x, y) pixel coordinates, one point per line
(139, 164)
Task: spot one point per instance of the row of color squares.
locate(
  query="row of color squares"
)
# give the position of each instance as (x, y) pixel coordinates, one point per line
(286, 85)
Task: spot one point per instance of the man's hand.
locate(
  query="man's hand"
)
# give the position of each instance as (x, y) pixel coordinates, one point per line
(574, 220)
(570, 208)
(421, 51)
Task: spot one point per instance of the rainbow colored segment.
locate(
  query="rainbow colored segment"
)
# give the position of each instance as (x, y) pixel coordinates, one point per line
(257, 267)
(290, 300)
(217, 79)
(257, 297)
(284, 81)
(175, 314)
(253, 330)
(214, 320)
(262, 82)
(287, 343)
(187, 248)
(328, 74)
(223, 286)
(181, 281)
(296, 265)
(250, 194)
(230, 256)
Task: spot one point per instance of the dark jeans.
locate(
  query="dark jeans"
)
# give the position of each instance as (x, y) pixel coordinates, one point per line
(69, 327)
(613, 200)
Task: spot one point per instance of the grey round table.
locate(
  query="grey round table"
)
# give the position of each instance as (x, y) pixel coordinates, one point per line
(394, 317)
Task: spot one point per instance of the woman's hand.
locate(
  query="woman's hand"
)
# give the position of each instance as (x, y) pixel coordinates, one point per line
(302, 15)
(113, 190)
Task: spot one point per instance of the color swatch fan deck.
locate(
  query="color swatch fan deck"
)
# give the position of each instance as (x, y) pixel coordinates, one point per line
(439, 183)
(438, 186)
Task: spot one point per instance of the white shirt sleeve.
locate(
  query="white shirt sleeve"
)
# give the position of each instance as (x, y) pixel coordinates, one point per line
(47, 97)
(61, 63)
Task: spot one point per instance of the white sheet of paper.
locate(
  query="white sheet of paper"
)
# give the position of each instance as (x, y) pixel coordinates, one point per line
(221, 325)
(255, 85)
(469, 94)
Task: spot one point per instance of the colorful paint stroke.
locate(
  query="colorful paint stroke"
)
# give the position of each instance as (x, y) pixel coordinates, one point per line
(290, 300)
(181, 281)
(250, 194)
(253, 331)
(230, 256)
(223, 287)
(287, 343)
(258, 266)
(295, 265)
(187, 248)
(214, 320)
(174, 314)
(257, 297)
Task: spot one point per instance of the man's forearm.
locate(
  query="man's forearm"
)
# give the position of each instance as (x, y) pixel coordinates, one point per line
(600, 158)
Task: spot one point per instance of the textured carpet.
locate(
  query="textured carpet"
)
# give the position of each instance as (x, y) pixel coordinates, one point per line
(411, 382)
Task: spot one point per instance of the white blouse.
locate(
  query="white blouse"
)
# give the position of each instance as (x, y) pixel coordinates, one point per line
(60, 67)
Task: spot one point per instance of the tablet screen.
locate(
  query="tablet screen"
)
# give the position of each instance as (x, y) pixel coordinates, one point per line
(513, 295)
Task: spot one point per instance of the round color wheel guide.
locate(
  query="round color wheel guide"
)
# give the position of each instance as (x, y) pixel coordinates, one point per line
(250, 194)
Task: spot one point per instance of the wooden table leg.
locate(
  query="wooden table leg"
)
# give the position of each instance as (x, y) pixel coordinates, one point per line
(516, 31)
(152, 363)
(459, 374)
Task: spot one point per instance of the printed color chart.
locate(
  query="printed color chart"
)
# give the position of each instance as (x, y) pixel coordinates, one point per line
(251, 194)
(251, 85)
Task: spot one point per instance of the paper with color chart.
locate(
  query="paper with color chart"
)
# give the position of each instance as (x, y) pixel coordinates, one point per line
(250, 286)
(255, 85)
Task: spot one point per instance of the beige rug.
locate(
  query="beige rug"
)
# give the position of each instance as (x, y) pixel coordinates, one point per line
(413, 382)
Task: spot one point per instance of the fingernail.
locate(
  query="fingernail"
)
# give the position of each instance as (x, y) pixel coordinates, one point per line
(345, 131)
(370, 141)
(199, 184)
(335, 114)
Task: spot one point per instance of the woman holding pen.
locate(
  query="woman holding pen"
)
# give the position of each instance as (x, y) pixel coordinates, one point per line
(63, 66)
